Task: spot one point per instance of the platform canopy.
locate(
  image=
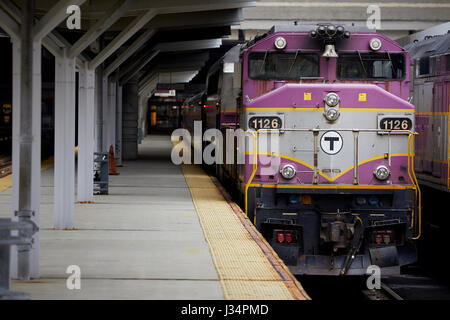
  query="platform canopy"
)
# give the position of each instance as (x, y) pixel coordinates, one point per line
(122, 50)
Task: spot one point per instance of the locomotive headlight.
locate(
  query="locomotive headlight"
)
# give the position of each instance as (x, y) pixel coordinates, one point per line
(332, 99)
(375, 44)
(288, 171)
(332, 114)
(382, 173)
(280, 43)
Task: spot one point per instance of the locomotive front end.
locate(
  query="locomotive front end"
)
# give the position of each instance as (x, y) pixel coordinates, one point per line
(329, 175)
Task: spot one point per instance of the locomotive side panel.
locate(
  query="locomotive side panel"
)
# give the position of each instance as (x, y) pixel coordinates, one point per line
(431, 97)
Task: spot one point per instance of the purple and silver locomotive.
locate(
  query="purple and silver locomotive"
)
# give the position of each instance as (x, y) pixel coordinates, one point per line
(336, 191)
(431, 96)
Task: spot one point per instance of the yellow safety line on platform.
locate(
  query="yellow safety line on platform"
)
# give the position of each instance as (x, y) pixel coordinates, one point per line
(6, 182)
(244, 270)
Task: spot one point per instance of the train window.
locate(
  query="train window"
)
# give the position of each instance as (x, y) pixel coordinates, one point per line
(282, 66)
(447, 62)
(424, 66)
(371, 66)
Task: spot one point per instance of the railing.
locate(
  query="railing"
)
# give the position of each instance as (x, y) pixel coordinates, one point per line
(316, 131)
(25, 230)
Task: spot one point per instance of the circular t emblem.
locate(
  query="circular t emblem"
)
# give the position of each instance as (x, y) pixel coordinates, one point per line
(331, 142)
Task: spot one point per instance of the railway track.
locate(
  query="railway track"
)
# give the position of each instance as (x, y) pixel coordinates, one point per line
(415, 284)
(411, 286)
(384, 293)
(5, 166)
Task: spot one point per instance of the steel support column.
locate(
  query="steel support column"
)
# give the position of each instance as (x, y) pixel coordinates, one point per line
(64, 142)
(118, 148)
(16, 80)
(29, 143)
(109, 116)
(99, 109)
(86, 129)
(129, 120)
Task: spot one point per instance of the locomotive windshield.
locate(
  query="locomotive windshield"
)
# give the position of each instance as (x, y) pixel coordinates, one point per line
(371, 66)
(282, 66)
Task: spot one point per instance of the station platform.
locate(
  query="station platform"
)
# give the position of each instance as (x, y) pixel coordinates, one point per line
(163, 232)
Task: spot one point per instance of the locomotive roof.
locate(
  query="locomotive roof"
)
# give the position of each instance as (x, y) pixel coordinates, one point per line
(309, 27)
(430, 47)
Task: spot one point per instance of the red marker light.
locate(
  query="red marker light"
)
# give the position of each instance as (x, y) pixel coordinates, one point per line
(280, 237)
(288, 237)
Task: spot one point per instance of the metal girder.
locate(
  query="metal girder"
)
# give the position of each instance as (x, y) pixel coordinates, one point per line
(181, 66)
(96, 9)
(146, 78)
(129, 51)
(9, 25)
(53, 42)
(172, 6)
(182, 58)
(131, 65)
(53, 18)
(118, 41)
(194, 19)
(137, 66)
(177, 77)
(185, 20)
(110, 17)
(151, 82)
(56, 39)
(189, 45)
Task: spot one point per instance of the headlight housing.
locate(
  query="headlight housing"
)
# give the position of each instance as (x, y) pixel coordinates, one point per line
(332, 99)
(331, 111)
(280, 43)
(382, 173)
(288, 171)
(332, 114)
(375, 44)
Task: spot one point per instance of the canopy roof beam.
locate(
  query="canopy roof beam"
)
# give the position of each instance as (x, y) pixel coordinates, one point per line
(53, 18)
(111, 16)
(129, 51)
(139, 22)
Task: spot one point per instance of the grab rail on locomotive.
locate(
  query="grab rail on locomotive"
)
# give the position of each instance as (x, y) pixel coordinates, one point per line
(356, 132)
(344, 217)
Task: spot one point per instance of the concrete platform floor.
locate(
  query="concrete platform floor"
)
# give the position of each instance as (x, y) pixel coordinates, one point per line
(142, 241)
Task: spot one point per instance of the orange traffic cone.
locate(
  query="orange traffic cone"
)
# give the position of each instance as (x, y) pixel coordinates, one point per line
(112, 163)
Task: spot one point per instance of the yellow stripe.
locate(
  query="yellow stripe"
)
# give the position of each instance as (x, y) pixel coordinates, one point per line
(323, 174)
(340, 186)
(244, 270)
(6, 182)
(321, 109)
(432, 113)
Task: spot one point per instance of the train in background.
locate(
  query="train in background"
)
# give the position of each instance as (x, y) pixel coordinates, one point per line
(47, 122)
(343, 195)
(6, 107)
(430, 86)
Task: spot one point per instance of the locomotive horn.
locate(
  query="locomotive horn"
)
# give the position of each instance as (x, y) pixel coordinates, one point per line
(330, 51)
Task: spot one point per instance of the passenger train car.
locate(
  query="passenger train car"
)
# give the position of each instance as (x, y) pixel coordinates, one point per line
(431, 96)
(334, 192)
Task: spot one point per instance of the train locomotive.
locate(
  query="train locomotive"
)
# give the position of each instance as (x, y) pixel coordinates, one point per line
(337, 192)
(431, 96)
